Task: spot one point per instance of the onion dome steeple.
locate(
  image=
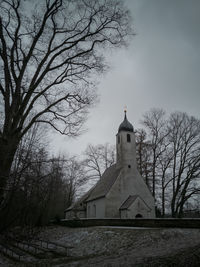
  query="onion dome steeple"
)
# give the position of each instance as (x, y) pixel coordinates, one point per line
(125, 125)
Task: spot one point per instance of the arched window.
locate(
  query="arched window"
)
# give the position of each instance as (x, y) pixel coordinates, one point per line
(94, 210)
(128, 138)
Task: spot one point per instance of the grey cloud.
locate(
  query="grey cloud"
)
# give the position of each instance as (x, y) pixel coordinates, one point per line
(160, 68)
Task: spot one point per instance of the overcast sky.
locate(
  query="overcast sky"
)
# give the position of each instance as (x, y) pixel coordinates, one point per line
(160, 68)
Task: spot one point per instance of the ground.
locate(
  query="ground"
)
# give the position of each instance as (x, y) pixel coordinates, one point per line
(121, 246)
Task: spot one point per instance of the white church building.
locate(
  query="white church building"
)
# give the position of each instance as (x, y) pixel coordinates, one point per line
(121, 192)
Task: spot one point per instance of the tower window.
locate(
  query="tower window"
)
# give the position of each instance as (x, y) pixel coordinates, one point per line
(118, 139)
(129, 166)
(128, 138)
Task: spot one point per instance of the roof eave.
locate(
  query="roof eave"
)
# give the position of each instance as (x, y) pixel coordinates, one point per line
(95, 198)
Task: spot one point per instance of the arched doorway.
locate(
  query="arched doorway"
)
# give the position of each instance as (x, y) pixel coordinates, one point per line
(138, 215)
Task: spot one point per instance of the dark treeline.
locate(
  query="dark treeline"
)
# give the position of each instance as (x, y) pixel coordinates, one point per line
(40, 187)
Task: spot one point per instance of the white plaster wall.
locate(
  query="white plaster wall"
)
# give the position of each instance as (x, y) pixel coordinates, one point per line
(124, 214)
(99, 206)
(138, 207)
(113, 200)
(129, 182)
(132, 183)
(68, 215)
(126, 152)
(81, 214)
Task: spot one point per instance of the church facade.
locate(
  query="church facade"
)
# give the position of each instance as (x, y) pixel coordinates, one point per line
(121, 192)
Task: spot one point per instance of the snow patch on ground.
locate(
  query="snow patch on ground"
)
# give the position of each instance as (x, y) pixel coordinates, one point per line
(121, 246)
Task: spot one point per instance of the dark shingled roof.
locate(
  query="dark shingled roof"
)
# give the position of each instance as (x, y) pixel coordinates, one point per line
(127, 203)
(125, 125)
(105, 183)
(76, 205)
(99, 190)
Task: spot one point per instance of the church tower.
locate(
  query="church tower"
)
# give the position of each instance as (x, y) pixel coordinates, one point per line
(125, 145)
(135, 197)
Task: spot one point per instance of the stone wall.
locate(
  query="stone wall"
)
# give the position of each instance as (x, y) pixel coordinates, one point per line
(155, 223)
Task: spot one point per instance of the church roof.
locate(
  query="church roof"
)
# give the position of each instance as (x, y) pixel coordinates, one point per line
(99, 190)
(128, 202)
(77, 205)
(125, 125)
(105, 183)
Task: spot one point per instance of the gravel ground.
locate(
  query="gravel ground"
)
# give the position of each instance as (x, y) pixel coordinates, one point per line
(118, 246)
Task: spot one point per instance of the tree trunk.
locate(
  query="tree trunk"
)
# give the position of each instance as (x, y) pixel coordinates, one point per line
(154, 173)
(8, 149)
(163, 201)
(180, 213)
(181, 205)
(173, 212)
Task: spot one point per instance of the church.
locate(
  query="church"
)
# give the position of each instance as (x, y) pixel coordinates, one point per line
(121, 192)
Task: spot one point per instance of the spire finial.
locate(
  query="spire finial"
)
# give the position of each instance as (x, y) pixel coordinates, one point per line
(125, 109)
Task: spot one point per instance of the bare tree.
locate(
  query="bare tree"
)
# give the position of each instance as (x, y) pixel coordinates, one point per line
(75, 177)
(154, 121)
(164, 178)
(184, 136)
(31, 144)
(43, 190)
(25, 190)
(48, 53)
(175, 159)
(39, 187)
(98, 159)
(143, 154)
(64, 179)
